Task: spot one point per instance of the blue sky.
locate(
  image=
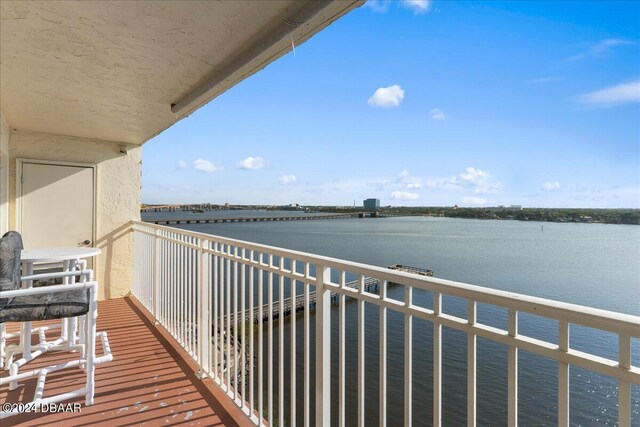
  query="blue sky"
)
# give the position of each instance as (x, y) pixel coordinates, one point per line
(426, 104)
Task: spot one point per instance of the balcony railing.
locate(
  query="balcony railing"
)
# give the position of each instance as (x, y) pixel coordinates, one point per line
(209, 293)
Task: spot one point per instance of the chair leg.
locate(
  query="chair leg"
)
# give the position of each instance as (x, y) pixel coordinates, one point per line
(3, 343)
(91, 316)
(8, 359)
(82, 325)
(13, 370)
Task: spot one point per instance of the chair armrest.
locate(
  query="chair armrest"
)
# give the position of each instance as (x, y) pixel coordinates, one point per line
(91, 286)
(59, 274)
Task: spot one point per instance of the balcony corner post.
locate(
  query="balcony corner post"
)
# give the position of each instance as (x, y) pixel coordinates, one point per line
(323, 347)
(156, 275)
(204, 303)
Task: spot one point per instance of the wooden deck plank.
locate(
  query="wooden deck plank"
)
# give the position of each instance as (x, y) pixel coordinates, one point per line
(151, 380)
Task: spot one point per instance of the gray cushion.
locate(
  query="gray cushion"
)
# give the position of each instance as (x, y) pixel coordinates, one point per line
(10, 247)
(56, 305)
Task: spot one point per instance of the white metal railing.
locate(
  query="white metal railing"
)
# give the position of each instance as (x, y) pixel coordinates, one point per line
(208, 289)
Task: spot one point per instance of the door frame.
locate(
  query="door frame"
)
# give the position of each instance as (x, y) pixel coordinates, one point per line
(18, 210)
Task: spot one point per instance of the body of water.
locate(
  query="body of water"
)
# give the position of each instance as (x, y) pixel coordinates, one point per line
(594, 265)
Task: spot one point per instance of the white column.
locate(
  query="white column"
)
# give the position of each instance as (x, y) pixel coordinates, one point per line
(437, 361)
(624, 387)
(408, 358)
(204, 323)
(512, 369)
(323, 347)
(563, 375)
(471, 366)
(156, 275)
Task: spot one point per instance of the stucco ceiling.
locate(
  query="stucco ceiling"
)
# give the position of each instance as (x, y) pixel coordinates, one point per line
(111, 70)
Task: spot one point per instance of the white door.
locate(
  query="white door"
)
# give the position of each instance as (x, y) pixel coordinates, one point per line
(56, 205)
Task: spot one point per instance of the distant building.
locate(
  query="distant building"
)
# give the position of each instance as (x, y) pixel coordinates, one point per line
(372, 204)
(516, 207)
(291, 207)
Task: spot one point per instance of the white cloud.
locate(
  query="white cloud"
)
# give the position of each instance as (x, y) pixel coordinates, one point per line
(403, 181)
(404, 195)
(406, 187)
(418, 6)
(182, 165)
(252, 163)
(474, 201)
(407, 181)
(391, 96)
(600, 49)
(551, 185)
(624, 93)
(477, 180)
(207, 166)
(287, 179)
(382, 6)
(378, 6)
(437, 114)
(472, 175)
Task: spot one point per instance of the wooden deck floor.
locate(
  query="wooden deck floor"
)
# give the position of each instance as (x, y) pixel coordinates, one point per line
(150, 381)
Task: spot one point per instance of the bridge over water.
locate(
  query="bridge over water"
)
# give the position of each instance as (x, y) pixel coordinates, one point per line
(300, 217)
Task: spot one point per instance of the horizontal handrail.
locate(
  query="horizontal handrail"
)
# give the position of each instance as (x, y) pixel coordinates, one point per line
(49, 289)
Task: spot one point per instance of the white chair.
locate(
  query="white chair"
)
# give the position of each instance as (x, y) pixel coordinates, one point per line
(8, 352)
(46, 303)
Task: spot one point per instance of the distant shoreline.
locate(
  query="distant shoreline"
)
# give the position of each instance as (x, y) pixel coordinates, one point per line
(556, 215)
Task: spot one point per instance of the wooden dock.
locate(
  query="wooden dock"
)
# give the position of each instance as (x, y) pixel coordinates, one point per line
(370, 284)
(408, 269)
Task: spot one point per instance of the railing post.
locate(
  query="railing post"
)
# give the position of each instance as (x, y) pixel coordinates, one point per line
(156, 275)
(512, 372)
(437, 361)
(563, 375)
(408, 358)
(624, 387)
(323, 347)
(204, 302)
(471, 365)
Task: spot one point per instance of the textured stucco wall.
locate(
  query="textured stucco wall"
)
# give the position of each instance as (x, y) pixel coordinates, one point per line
(5, 131)
(117, 198)
(111, 70)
